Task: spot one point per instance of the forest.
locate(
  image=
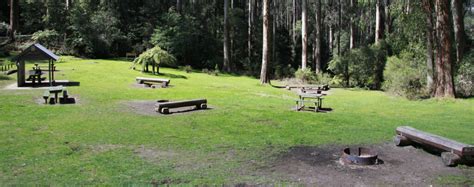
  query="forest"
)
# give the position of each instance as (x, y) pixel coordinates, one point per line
(415, 49)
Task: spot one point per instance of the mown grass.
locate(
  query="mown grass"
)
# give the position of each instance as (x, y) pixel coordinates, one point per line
(249, 125)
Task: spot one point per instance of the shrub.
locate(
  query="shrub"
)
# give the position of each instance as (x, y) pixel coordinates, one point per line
(405, 76)
(362, 67)
(306, 75)
(464, 79)
(3, 28)
(48, 38)
(188, 69)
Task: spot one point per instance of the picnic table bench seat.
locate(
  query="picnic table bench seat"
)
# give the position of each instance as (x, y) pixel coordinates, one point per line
(453, 152)
(163, 107)
(151, 81)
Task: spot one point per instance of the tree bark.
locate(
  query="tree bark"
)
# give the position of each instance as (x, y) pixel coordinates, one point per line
(459, 32)
(266, 42)
(430, 41)
(250, 27)
(388, 19)
(379, 22)
(226, 37)
(304, 36)
(340, 28)
(317, 51)
(352, 25)
(13, 27)
(293, 35)
(444, 78)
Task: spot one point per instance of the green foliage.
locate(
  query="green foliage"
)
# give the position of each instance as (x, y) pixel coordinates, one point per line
(362, 67)
(155, 55)
(184, 37)
(464, 79)
(306, 75)
(406, 76)
(48, 38)
(3, 28)
(93, 33)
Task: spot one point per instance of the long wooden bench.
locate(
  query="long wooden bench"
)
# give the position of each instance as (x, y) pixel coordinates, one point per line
(163, 82)
(453, 152)
(163, 107)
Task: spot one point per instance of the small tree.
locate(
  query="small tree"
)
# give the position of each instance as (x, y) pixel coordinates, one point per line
(154, 57)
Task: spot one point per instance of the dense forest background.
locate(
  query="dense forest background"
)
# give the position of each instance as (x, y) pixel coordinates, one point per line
(412, 48)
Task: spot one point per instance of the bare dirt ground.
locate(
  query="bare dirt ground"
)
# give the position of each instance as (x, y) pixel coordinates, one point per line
(147, 107)
(405, 166)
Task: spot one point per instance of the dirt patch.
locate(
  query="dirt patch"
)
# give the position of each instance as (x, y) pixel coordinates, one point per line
(101, 148)
(183, 161)
(406, 166)
(143, 86)
(147, 108)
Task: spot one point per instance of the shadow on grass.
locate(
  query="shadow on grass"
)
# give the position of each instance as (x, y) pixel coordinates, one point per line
(169, 75)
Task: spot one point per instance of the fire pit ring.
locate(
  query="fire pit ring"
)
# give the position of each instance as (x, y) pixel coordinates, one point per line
(359, 156)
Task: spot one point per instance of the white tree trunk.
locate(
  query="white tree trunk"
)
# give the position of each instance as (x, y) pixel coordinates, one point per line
(304, 36)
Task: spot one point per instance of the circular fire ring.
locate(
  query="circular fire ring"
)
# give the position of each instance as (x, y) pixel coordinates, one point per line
(359, 156)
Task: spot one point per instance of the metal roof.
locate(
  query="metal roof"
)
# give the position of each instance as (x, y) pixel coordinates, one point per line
(36, 52)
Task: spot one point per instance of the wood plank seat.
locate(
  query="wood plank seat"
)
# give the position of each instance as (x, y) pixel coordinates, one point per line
(163, 107)
(163, 82)
(453, 152)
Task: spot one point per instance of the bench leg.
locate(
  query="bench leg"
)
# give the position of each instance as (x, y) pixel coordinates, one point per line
(450, 159)
(165, 110)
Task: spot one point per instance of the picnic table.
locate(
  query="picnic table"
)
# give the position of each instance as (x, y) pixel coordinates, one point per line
(55, 90)
(303, 98)
(36, 75)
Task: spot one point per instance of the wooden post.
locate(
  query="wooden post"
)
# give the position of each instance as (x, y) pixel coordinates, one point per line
(401, 140)
(450, 159)
(21, 73)
(49, 73)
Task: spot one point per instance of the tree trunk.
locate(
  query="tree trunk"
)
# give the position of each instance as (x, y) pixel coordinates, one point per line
(444, 78)
(317, 51)
(226, 37)
(388, 19)
(293, 35)
(250, 27)
(14, 8)
(430, 41)
(304, 36)
(459, 32)
(353, 26)
(266, 42)
(379, 22)
(340, 28)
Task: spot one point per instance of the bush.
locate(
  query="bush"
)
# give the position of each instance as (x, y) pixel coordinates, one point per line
(464, 79)
(188, 69)
(306, 75)
(3, 28)
(362, 67)
(48, 38)
(406, 77)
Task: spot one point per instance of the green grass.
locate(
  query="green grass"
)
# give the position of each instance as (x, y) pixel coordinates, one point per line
(248, 126)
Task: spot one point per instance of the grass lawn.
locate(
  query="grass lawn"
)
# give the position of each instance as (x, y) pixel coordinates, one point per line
(101, 140)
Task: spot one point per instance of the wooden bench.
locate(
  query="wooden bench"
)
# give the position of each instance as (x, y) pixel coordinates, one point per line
(453, 152)
(164, 107)
(163, 82)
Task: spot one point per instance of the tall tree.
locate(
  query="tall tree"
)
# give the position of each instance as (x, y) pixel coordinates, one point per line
(459, 32)
(226, 37)
(379, 22)
(430, 41)
(388, 19)
(444, 78)
(14, 8)
(266, 42)
(250, 28)
(304, 36)
(352, 25)
(318, 35)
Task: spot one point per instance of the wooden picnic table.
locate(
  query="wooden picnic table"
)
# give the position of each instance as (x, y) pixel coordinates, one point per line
(56, 90)
(317, 99)
(35, 75)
